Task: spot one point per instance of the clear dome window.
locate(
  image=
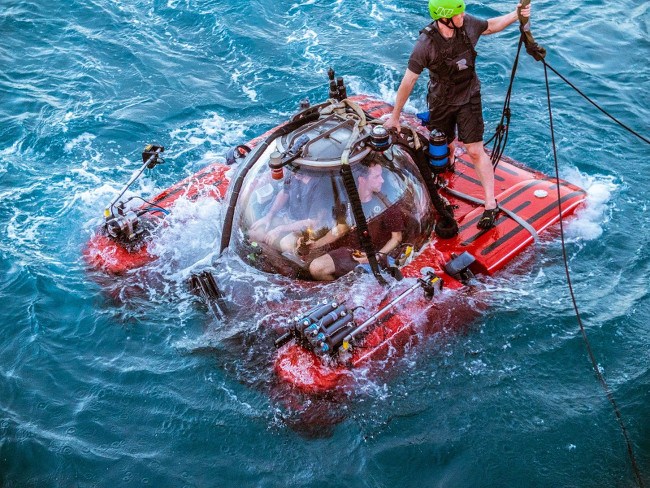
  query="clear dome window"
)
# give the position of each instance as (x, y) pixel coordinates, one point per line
(283, 225)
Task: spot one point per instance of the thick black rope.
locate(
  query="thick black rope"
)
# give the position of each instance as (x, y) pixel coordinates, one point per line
(594, 363)
(632, 131)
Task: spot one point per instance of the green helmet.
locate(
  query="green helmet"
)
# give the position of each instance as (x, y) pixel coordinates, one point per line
(445, 9)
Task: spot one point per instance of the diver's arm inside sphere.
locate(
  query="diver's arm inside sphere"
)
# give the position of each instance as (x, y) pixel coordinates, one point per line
(298, 225)
(394, 241)
(339, 230)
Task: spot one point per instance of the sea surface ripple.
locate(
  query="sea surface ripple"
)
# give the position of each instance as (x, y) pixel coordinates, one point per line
(129, 383)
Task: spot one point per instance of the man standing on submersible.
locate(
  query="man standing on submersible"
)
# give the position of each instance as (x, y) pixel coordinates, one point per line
(446, 48)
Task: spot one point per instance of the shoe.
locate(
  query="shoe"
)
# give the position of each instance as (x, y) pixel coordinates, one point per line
(487, 219)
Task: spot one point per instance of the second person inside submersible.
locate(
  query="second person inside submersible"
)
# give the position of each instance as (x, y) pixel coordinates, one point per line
(385, 231)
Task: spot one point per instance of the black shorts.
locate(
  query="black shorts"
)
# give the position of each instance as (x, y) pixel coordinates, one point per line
(344, 262)
(467, 118)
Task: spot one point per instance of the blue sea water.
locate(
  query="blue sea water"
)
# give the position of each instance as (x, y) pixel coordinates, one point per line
(128, 383)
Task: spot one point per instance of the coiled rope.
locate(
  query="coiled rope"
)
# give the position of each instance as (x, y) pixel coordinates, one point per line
(500, 136)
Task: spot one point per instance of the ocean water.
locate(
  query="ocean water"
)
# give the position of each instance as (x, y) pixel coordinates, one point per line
(129, 383)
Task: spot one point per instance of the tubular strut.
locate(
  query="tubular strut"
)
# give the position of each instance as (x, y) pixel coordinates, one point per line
(300, 119)
(428, 281)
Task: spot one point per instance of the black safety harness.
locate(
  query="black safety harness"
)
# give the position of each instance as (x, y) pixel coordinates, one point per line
(453, 65)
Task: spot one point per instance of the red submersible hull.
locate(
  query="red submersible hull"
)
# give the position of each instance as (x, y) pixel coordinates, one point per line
(322, 344)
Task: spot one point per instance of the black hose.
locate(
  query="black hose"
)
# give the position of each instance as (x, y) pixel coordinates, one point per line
(308, 115)
(446, 226)
(362, 225)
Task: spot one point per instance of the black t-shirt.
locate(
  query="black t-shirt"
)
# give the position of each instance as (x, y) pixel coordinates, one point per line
(424, 56)
(382, 221)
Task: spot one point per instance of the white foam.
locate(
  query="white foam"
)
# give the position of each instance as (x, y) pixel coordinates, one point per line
(102, 193)
(82, 173)
(304, 35)
(375, 13)
(214, 130)
(310, 38)
(190, 234)
(23, 228)
(10, 150)
(96, 199)
(392, 7)
(250, 93)
(25, 234)
(301, 4)
(590, 219)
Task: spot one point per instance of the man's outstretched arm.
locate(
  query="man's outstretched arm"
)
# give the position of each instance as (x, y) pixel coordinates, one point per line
(497, 24)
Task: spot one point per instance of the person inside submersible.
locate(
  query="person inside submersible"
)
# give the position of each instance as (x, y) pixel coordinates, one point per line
(385, 224)
(446, 48)
(301, 197)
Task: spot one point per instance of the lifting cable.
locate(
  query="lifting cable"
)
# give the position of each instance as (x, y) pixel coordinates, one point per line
(590, 352)
(632, 131)
(526, 38)
(539, 53)
(500, 136)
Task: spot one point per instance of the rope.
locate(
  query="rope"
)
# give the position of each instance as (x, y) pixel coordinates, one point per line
(594, 363)
(500, 136)
(632, 131)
